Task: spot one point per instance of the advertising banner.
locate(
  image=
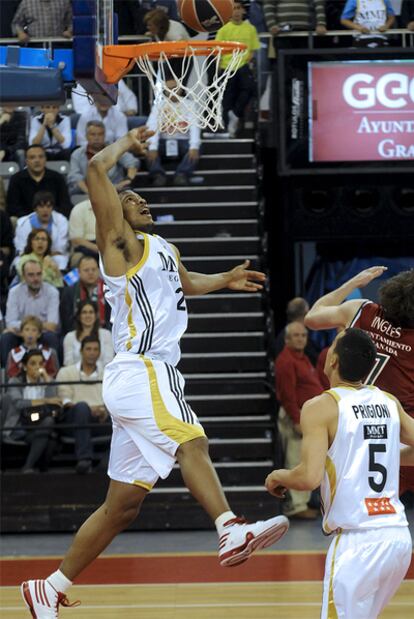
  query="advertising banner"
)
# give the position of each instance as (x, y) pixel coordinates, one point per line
(361, 111)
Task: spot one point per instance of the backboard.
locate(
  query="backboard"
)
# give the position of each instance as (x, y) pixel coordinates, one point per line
(94, 25)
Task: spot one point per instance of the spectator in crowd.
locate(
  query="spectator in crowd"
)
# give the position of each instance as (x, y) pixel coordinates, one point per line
(39, 248)
(241, 87)
(407, 14)
(31, 331)
(333, 9)
(121, 174)
(83, 402)
(115, 122)
(296, 311)
(13, 138)
(86, 324)
(161, 28)
(37, 18)
(82, 232)
(287, 15)
(90, 286)
(6, 247)
(127, 101)
(296, 382)
(44, 216)
(2, 195)
(255, 15)
(34, 405)
(368, 19)
(52, 131)
(31, 297)
(36, 177)
(174, 144)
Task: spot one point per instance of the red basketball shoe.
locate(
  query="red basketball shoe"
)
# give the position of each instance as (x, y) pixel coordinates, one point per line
(43, 600)
(240, 538)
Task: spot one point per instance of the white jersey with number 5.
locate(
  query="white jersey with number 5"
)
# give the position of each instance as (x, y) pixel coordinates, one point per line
(360, 485)
(148, 309)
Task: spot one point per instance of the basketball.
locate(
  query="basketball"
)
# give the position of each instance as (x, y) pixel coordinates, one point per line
(205, 15)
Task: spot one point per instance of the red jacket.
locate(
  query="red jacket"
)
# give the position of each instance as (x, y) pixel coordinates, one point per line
(296, 381)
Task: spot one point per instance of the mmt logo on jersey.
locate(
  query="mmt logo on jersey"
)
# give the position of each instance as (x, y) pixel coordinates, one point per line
(375, 431)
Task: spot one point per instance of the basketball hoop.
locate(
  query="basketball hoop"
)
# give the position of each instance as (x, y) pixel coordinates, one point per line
(191, 96)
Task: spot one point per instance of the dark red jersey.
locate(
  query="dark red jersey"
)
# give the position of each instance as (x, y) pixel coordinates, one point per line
(394, 367)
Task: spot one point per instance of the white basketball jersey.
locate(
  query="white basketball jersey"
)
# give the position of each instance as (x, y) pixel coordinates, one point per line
(149, 313)
(361, 480)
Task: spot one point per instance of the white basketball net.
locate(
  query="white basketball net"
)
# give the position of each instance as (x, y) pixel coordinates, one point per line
(191, 99)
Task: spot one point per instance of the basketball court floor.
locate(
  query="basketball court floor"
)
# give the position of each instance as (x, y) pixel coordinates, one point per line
(175, 575)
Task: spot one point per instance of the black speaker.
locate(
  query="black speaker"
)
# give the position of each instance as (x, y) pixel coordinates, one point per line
(330, 209)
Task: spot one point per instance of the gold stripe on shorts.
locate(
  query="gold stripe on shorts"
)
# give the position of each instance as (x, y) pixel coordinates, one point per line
(332, 614)
(142, 484)
(177, 430)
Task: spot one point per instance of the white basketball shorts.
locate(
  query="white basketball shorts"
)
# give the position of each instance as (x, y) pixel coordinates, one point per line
(363, 570)
(150, 418)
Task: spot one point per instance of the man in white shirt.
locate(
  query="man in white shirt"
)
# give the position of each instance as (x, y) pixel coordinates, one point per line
(52, 131)
(174, 145)
(83, 403)
(44, 216)
(115, 122)
(127, 102)
(82, 233)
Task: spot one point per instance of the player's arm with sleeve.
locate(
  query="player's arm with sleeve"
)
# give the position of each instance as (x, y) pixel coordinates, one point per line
(406, 437)
(330, 312)
(240, 278)
(308, 474)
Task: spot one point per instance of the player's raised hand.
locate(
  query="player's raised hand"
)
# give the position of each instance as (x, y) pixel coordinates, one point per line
(367, 275)
(274, 486)
(139, 137)
(241, 278)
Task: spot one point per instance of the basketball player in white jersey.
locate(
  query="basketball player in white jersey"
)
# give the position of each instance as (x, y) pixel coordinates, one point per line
(351, 447)
(153, 426)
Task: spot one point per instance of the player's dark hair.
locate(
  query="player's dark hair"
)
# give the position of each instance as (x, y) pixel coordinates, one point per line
(396, 296)
(356, 354)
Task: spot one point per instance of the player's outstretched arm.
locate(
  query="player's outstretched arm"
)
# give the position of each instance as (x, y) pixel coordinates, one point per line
(240, 278)
(329, 311)
(105, 202)
(308, 474)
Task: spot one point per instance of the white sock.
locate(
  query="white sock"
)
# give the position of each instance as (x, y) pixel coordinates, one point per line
(222, 519)
(59, 581)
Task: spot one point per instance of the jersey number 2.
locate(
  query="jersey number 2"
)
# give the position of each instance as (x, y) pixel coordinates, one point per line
(375, 467)
(181, 300)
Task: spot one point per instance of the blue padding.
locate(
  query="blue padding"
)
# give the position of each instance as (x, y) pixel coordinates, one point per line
(3, 54)
(34, 57)
(64, 56)
(31, 86)
(84, 25)
(84, 7)
(84, 56)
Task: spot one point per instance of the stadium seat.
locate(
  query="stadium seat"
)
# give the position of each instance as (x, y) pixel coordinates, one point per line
(60, 166)
(8, 168)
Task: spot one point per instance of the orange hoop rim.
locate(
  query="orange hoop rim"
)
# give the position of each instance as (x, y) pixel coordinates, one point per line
(117, 60)
(175, 49)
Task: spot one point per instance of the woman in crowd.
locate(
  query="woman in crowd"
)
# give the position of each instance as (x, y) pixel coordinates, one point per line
(39, 248)
(86, 323)
(34, 406)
